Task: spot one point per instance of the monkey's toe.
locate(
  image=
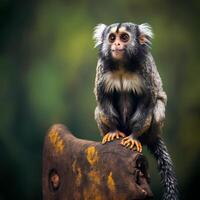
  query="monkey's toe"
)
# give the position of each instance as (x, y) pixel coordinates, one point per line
(111, 136)
(131, 143)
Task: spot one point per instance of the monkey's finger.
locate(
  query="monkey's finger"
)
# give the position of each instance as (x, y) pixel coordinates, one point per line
(140, 147)
(127, 145)
(121, 134)
(125, 139)
(113, 136)
(139, 150)
(105, 139)
(137, 146)
(109, 137)
(122, 142)
(126, 142)
(117, 135)
(132, 144)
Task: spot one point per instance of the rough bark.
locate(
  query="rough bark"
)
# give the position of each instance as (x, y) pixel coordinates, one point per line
(75, 169)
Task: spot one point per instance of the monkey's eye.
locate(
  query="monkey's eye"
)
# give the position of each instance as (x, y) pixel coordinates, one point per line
(124, 37)
(111, 37)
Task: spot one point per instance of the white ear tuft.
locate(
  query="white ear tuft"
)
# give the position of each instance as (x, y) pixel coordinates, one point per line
(98, 33)
(145, 29)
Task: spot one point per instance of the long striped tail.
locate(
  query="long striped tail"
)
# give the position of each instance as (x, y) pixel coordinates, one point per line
(166, 169)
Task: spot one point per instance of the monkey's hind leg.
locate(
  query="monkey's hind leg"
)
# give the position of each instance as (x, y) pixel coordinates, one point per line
(138, 129)
(107, 126)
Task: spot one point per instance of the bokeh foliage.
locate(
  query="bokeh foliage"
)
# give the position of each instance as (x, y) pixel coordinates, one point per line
(47, 70)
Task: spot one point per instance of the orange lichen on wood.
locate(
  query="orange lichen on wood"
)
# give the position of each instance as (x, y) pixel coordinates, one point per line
(93, 193)
(78, 174)
(95, 177)
(79, 169)
(111, 182)
(56, 141)
(92, 155)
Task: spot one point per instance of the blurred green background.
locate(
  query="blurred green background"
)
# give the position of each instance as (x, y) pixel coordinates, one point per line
(47, 71)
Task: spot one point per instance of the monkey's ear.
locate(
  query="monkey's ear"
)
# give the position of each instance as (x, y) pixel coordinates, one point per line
(146, 34)
(98, 34)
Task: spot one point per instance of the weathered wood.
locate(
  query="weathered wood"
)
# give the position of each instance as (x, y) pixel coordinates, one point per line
(75, 169)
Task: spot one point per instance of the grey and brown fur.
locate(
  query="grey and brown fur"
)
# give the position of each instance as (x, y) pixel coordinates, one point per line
(130, 96)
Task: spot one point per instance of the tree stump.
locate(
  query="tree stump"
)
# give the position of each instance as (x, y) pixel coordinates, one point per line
(76, 169)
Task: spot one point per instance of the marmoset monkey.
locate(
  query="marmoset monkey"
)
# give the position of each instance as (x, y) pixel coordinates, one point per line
(129, 93)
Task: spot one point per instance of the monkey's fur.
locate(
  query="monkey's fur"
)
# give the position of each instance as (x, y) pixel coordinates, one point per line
(130, 96)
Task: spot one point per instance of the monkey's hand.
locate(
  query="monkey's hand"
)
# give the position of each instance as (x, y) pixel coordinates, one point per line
(131, 143)
(111, 136)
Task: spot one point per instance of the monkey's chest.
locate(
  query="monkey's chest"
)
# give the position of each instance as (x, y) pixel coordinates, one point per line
(125, 103)
(122, 81)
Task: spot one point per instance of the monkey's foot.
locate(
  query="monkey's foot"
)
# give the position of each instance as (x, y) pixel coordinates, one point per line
(131, 143)
(111, 136)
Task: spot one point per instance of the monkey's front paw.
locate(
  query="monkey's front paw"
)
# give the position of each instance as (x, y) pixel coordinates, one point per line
(132, 143)
(111, 136)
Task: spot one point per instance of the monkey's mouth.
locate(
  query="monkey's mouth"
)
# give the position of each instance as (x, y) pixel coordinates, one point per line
(118, 50)
(118, 54)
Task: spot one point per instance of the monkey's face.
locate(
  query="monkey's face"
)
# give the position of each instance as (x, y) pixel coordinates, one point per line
(118, 41)
(122, 41)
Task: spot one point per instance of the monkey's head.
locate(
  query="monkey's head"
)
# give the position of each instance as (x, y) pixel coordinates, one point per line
(122, 41)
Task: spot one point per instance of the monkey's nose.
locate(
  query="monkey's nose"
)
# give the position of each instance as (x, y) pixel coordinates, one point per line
(117, 44)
